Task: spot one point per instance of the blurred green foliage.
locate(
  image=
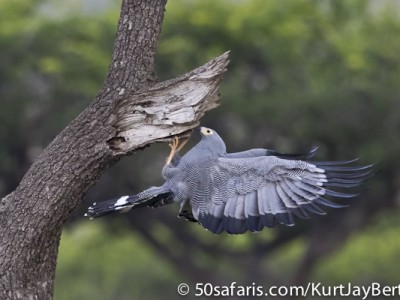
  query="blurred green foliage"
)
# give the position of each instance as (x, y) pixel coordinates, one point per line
(335, 63)
(301, 72)
(371, 256)
(52, 64)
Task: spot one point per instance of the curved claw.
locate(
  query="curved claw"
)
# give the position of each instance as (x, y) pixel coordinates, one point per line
(175, 147)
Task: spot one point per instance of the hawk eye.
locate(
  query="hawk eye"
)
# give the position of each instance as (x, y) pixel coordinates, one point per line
(206, 131)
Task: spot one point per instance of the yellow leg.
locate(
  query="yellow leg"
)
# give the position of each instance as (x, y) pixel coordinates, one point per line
(173, 145)
(182, 144)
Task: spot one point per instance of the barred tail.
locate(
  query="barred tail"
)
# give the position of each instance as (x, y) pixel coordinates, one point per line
(153, 197)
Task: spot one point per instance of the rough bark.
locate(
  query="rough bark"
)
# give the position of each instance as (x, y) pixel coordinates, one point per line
(130, 111)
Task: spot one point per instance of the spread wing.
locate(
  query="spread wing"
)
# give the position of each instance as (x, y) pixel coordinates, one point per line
(253, 193)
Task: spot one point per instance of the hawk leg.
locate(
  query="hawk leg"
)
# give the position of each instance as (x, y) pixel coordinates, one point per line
(175, 147)
(186, 212)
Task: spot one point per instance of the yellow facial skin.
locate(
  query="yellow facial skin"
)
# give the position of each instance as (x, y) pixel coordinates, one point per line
(206, 131)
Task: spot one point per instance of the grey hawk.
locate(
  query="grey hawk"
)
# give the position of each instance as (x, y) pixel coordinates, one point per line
(243, 191)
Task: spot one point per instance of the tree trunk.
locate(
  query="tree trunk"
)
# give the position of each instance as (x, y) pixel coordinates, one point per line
(130, 111)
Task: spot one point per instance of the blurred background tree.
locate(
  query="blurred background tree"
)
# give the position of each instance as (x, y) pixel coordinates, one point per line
(302, 73)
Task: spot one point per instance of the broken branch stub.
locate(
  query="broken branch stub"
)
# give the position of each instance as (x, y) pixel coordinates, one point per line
(168, 108)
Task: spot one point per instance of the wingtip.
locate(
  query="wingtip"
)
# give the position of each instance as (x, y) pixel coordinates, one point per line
(312, 152)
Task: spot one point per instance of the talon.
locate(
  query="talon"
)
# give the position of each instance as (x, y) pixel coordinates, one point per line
(175, 147)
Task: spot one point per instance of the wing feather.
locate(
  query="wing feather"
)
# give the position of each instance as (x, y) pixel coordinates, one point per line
(251, 205)
(229, 214)
(216, 218)
(239, 224)
(267, 190)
